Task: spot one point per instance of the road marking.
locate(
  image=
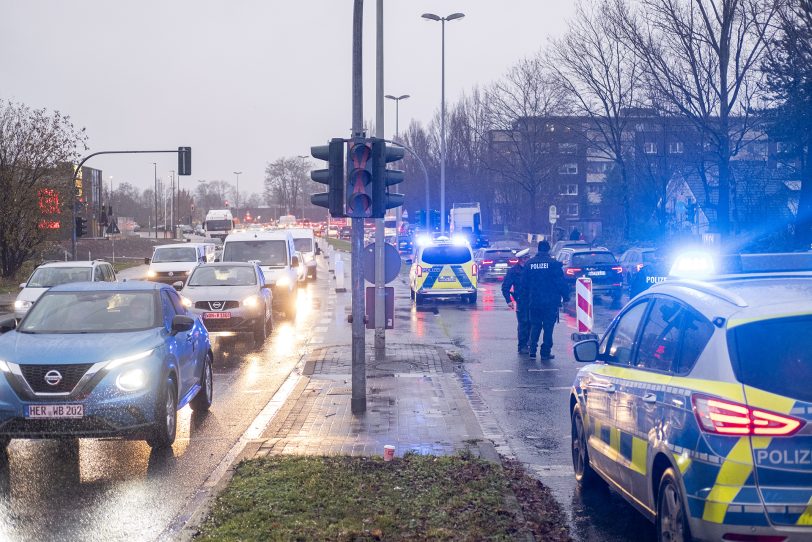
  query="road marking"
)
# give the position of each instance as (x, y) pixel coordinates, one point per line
(499, 371)
(317, 340)
(560, 388)
(540, 370)
(320, 329)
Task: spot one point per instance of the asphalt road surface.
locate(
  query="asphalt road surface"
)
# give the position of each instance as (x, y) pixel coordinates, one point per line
(111, 490)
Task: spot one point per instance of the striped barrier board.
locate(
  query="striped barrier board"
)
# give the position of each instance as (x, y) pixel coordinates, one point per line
(583, 304)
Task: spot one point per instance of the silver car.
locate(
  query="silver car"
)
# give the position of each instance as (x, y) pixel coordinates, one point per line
(230, 298)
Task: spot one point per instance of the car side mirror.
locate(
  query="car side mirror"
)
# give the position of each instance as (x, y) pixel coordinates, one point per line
(8, 324)
(586, 351)
(294, 262)
(22, 285)
(178, 285)
(147, 261)
(318, 251)
(181, 323)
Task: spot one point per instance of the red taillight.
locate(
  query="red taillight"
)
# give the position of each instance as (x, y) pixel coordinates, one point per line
(617, 269)
(639, 266)
(513, 262)
(727, 418)
(473, 270)
(419, 271)
(487, 262)
(571, 271)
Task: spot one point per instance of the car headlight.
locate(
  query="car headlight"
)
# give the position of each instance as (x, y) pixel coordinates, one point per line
(132, 380)
(251, 302)
(151, 274)
(4, 368)
(283, 281)
(21, 305)
(118, 362)
(186, 302)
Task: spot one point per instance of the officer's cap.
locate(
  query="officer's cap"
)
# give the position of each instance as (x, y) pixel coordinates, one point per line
(524, 253)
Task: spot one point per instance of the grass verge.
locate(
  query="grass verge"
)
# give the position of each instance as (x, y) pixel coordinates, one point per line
(338, 244)
(417, 497)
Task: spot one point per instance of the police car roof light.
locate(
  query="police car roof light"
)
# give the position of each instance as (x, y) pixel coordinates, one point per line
(693, 264)
(459, 240)
(423, 240)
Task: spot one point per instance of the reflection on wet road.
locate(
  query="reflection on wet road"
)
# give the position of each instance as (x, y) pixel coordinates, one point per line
(116, 490)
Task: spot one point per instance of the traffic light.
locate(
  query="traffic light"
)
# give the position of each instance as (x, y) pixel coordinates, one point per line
(184, 160)
(333, 177)
(383, 178)
(359, 179)
(81, 226)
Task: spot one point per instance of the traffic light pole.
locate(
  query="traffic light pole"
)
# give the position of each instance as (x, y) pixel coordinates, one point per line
(380, 281)
(358, 402)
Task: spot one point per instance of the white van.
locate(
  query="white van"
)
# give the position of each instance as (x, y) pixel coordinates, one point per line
(219, 223)
(276, 253)
(173, 263)
(305, 242)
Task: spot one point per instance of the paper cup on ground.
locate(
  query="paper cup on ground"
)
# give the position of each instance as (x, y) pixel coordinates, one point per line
(388, 452)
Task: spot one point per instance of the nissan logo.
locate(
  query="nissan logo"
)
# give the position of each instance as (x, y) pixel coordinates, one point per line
(217, 305)
(171, 274)
(53, 377)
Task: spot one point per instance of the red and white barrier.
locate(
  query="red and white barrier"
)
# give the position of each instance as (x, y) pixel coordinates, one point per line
(583, 304)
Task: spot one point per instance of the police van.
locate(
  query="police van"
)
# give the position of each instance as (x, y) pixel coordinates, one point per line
(696, 404)
(443, 268)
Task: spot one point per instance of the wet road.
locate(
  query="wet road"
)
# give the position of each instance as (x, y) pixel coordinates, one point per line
(119, 490)
(527, 401)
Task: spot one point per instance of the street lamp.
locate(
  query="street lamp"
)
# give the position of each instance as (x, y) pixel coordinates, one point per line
(397, 100)
(237, 195)
(433, 17)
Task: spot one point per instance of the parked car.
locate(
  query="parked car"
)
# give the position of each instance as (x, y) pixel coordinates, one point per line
(566, 243)
(633, 260)
(443, 269)
(493, 263)
(597, 264)
(52, 274)
(345, 233)
(103, 359)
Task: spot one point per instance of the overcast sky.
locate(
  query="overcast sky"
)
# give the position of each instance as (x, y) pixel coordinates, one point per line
(244, 82)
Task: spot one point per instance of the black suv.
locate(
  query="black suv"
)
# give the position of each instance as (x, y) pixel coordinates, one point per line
(598, 264)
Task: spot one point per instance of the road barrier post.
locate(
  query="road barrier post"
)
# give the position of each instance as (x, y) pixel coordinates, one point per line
(339, 271)
(583, 304)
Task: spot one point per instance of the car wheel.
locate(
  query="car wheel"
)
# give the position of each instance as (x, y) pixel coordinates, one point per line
(472, 298)
(411, 294)
(419, 299)
(585, 475)
(672, 521)
(4, 442)
(166, 416)
(202, 401)
(260, 333)
(269, 324)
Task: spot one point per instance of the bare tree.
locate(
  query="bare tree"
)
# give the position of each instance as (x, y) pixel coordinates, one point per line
(287, 182)
(36, 150)
(519, 106)
(701, 59)
(603, 75)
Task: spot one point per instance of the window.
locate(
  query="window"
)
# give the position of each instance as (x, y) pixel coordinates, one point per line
(675, 147)
(109, 273)
(659, 342)
(649, 147)
(568, 189)
(620, 345)
(98, 274)
(572, 209)
(567, 148)
(593, 188)
(176, 304)
(696, 332)
(568, 169)
(597, 167)
(169, 309)
(446, 255)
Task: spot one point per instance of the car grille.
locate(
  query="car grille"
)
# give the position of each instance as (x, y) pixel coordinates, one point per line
(217, 305)
(226, 324)
(71, 374)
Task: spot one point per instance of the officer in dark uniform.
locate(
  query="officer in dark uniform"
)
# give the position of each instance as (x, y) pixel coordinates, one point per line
(512, 290)
(544, 288)
(650, 274)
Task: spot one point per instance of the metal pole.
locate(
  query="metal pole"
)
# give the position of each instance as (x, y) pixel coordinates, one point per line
(72, 198)
(380, 283)
(172, 205)
(155, 165)
(358, 402)
(442, 136)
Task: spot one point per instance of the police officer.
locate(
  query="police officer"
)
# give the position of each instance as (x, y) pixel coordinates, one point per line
(511, 289)
(544, 287)
(650, 274)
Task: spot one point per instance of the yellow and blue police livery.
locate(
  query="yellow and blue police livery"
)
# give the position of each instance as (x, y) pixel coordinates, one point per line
(697, 404)
(443, 268)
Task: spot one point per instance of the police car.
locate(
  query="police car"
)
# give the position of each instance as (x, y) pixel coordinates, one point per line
(443, 268)
(697, 403)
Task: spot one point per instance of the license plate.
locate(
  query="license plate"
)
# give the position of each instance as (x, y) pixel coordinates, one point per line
(597, 273)
(501, 265)
(446, 279)
(216, 315)
(55, 411)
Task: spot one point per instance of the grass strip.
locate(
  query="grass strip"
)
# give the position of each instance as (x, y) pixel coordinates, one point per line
(417, 497)
(338, 244)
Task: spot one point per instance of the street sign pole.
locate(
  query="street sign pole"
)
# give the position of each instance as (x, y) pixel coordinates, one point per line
(380, 286)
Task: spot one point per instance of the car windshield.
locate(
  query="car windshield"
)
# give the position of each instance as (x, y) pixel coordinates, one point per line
(303, 244)
(223, 275)
(775, 355)
(451, 254)
(498, 254)
(46, 277)
(271, 253)
(593, 258)
(219, 225)
(92, 312)
(175, 254)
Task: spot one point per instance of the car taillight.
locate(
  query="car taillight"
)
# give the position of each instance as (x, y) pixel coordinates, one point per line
(639, 266)
(419, 271)
(487, 262)
(513, 262)
(571, 271)
(617, 269)
(727, 418)
(473, 270)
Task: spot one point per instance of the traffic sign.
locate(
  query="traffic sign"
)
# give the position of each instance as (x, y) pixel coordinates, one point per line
(391, 267)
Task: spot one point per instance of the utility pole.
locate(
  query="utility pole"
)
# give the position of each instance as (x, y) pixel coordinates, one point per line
(358, 402)
(155, 166)
(380, 282)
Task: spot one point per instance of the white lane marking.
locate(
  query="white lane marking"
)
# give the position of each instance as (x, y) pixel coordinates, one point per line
(320, 329)
(499, 371)
(540, 370)
(560, 388)
(317, 340)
